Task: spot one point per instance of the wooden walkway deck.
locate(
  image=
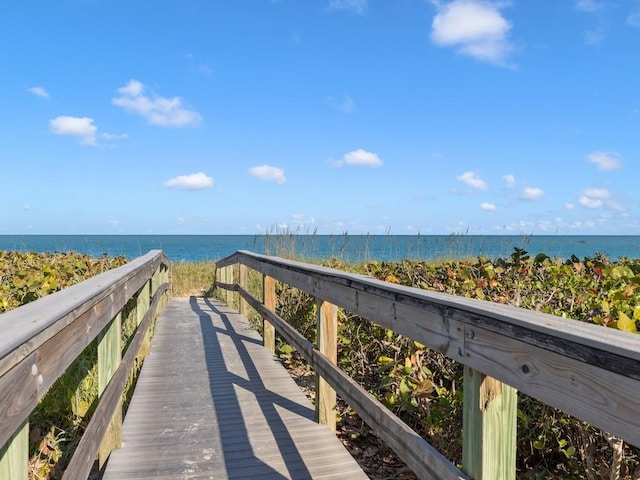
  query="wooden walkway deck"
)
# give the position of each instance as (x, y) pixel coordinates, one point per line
(212, 403)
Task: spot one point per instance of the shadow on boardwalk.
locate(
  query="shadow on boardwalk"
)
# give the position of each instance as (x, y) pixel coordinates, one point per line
(212, 403)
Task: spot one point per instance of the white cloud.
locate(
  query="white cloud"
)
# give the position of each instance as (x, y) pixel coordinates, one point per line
(356, 6)
(593, 197)
(80, 127)
(39, 92)
(362, 157)
(487, 206)
(194, 181)
(345, 105)
(157, 110)
(475, 28)
(358, 157)
(589, 202)
(510, 180)
(473, 180)
(114, 136)
(634, 18)
(569, 206)
(604, 160)
(268, 173)
(532, 193)
(588, 5)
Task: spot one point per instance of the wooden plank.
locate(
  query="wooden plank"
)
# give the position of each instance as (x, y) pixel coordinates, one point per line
(600, 397)
(419, 455)
(14, 456)
(583, 355)
(489, 427)
(85, 453)
(232, 412)
(109, 357)
(327, 332)
(243, 282)
(52, 313)
(268, 329)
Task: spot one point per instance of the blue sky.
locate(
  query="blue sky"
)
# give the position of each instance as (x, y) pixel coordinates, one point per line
(333, 116)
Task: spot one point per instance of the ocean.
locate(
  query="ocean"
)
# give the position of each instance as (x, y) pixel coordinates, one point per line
(348, 248)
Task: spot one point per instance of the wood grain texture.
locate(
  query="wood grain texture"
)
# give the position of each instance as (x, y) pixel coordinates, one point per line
(25, 328)
(111, 399)
(14, 456)
(586, 370)
(268, 330)
(489, 427)
(327, 328)
(212, 402)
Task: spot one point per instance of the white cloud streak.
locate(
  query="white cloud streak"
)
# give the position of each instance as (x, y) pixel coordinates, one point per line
(487, 206)
(510, 180)
(588, 5)
(363, 158)
(594, 197)
(532, 193)
(80, 127)
(39, 92)
(194, 181)
(157, 110)
(475, 28)
(268, 173)
(604, 160)
(473, 180)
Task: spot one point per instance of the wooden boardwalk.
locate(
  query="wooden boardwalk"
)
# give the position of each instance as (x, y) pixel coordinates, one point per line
(212, 403)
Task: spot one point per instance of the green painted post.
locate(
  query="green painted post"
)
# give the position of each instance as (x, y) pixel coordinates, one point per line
(109, 357)
(489, 427)
(14, 456)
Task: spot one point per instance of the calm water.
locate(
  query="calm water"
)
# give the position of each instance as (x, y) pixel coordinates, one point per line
(352, 248)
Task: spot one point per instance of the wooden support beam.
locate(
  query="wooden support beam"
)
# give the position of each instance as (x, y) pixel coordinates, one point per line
(14, 456)
(327, 343)
(269, 301)
(489, 427)
(109, 357)
(243, 281)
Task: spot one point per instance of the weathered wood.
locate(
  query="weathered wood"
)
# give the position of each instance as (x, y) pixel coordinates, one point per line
(66, 324)
(231, 410)
(327, 332)
(268, 329)
(109, 357)
(14, 456)
(52, 313)
(243, 278)
(419, 455)
(489, 427)
(586, 359)
(84, 455)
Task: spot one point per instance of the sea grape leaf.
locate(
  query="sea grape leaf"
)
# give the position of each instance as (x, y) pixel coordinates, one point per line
(625, 323)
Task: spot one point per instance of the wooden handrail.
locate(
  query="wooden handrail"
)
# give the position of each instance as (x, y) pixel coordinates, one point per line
(588, 371)
(41, 339)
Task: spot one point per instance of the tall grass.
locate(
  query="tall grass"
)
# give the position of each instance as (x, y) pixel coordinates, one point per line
(192, 278)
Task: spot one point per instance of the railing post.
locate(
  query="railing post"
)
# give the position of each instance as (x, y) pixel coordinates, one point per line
(14, 456)
(143, 303)
(243, 280)
(269, 301)
(489, 427)
(109, 357)
(327, 328)
(228, 278)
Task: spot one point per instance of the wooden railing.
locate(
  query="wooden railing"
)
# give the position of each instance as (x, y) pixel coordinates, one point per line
(40, 340)
(588, 371)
